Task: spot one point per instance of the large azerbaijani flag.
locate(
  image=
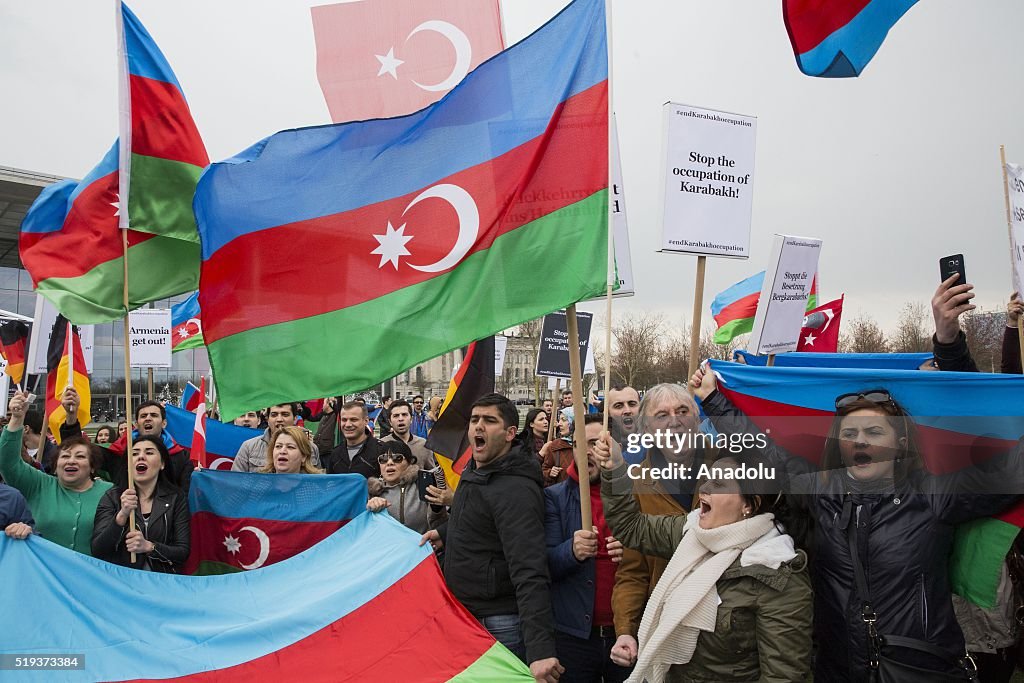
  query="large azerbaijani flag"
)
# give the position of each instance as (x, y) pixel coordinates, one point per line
(426, 231)
(223, 439)
(837, 38)
(249, 520)
(367, 603)
(734, 308)
(963, 418)
(70, 242)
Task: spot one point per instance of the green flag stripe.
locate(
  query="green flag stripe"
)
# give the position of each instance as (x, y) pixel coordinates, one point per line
(160, 197)
(979, 548)
(497, 664)
(554, 261)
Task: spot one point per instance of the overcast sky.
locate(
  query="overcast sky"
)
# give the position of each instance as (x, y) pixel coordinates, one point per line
(892, 170)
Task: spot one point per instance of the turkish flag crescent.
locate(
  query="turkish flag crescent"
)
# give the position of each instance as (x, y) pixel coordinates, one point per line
(820, 332)
(385, 58)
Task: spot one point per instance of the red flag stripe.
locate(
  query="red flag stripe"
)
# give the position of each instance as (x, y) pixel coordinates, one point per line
(162, 125)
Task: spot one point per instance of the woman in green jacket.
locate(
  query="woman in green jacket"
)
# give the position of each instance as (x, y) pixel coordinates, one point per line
(734, 603)
(64, 505)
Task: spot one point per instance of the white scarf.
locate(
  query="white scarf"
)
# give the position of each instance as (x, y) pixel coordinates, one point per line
(685, 601)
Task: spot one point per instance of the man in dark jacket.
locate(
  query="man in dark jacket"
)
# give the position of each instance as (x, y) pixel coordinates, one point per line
(15, 518)
(359, 452)
(150, 420)
(494, 562)
(582, 564)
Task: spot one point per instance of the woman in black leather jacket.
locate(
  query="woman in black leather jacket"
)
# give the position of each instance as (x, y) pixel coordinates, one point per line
(873, 488)
(161, 538)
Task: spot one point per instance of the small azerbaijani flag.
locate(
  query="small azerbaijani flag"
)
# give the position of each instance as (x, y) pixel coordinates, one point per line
(198, 451)
(449, 437)
(186, 324)
(70, 241)
(837, 38)
(223, 439)
(368, 602)
(735, 308)
(65, 367)
(13, 344)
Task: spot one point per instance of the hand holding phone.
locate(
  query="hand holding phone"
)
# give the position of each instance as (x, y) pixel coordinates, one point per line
(948, 265)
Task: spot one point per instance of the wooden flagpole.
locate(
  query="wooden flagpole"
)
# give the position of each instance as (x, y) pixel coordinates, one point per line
(128, 383)
(1009, 229)
(611, 233)
(579, 447)
(698, 305)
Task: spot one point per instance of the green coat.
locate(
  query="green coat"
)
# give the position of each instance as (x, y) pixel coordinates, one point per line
(763, 627)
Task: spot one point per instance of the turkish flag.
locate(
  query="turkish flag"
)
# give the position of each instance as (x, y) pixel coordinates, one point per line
(385, 58)
(820, 331)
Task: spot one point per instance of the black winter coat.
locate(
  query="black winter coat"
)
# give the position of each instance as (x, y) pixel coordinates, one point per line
(495, 560)
(364, 462)
(168, 529)
(904, 539)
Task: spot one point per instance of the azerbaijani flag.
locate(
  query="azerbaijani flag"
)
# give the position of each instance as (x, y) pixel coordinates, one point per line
(191, 398)
(186, 324)
(13, 346)
(70, 242)
(864, 361)
(963, 418)
(449, 437)
(734, 309)
(837, 38)
(431, 228)
(223, 439)
(248, 520)
(367, 603)
(65, 367)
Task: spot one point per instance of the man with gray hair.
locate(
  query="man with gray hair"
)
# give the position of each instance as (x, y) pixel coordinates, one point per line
(668, 411)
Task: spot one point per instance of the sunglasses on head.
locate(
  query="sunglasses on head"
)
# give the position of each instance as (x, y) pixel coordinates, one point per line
(397, 458)
(877, 396)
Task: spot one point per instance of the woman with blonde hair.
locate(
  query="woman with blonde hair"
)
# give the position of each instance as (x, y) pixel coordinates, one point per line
(290, 452)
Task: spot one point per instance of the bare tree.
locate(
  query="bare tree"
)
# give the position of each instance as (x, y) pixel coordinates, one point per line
(531, 330)
(863, 335)
(636, 338)
(984, 332)
(912, 331)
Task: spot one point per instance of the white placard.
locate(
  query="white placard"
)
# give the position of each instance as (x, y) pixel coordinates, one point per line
(150, 334)
(709, 181)
(620, 228)
(500, 346)
(589, 367)
(42, 329)
(784, 294)
(1015, 178)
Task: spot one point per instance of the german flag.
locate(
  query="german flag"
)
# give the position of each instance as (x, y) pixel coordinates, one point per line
(449, 437)
(65, 367)
(13, 344)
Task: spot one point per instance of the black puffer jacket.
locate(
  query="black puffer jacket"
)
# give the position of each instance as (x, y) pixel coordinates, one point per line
(495, 559)
(167, 528)
(905, 536)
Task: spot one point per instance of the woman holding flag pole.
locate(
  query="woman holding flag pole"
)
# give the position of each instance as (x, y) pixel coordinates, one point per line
(884, 530)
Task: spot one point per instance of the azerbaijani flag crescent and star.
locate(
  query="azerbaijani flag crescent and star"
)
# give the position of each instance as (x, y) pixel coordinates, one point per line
(70, 241)
(366, 603)
(186, 324)
(837, 38)
(430, 228)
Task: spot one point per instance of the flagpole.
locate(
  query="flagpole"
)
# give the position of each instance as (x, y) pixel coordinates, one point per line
(128, 384)
(698, 305)
(579, 447)
(611, 232)
(1009, 228)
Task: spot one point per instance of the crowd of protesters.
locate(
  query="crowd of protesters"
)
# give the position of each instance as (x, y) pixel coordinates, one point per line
(840, 570)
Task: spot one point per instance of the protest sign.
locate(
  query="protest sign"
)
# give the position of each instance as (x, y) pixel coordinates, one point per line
(709, 181)
(553, 356)
(784, 294)
(150, 334)
(1015, 180)
(42, 329)
(500, 346)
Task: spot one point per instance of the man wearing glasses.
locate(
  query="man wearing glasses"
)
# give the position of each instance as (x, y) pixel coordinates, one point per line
(419, 417)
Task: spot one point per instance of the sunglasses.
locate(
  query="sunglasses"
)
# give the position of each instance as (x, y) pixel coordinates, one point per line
(879, 397)
(397, 458)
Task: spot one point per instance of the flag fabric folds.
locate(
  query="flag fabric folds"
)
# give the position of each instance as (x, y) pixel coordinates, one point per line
(430, 228)
(223, 439)
(449, 437)
(186, 324)
(734, 309)
(820, 331)
(191, 398)
(198, 450)
(65, 367)
(863, 361)
(378, 59)
(286, 622)
(13, 346)
(837, 39)
(70, 243)
(248, 520)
